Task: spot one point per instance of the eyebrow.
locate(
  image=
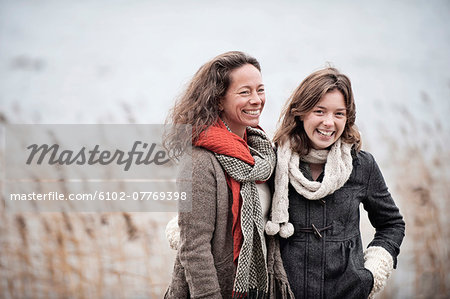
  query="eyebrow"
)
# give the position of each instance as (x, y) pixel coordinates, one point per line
(248, 86)
(322, 107)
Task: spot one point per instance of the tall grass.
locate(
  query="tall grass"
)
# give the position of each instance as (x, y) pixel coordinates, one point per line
(125, 255)
(419, 166)
(82, 255)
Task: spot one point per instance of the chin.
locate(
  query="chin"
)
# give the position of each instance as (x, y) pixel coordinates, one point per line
(321, 146)
(253, 124)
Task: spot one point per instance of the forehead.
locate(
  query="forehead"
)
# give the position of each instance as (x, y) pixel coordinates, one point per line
(333, 98)
(246, 74)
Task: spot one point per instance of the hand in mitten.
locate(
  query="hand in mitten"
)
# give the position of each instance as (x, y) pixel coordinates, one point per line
(380, 262)
(173, 233)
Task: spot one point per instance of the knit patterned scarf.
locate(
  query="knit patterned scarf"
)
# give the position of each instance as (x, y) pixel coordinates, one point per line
(338, 167)
(245, 163)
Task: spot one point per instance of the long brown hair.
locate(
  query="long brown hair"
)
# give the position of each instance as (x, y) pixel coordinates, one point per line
(303, 100)
(198, 105)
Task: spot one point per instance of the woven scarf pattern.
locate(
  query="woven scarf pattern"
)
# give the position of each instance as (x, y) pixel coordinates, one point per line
(251, 280)
(338, 167)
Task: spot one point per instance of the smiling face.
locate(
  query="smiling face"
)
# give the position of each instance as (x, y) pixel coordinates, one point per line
(325, 123)
(244, 100)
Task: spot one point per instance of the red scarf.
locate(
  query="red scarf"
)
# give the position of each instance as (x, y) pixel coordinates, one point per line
(219, 140)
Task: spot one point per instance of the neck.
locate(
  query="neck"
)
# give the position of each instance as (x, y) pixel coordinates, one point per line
(240, 134)
(238, 131)
(316, 170)
(316, 156)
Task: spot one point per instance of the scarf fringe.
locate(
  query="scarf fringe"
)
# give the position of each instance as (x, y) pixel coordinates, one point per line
(251, 294)
(279, 288)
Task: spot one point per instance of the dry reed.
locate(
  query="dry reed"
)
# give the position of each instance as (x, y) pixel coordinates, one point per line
(125, 255)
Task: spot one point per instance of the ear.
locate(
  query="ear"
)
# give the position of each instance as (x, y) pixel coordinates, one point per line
(220, 105)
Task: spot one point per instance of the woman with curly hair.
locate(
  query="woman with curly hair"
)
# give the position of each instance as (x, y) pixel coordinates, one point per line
(222, 249)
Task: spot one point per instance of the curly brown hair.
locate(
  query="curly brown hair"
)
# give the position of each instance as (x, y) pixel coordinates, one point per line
(303, 100)
(198, 105)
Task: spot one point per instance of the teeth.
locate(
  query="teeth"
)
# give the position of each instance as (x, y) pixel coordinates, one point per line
(325, 133)
(252, 112)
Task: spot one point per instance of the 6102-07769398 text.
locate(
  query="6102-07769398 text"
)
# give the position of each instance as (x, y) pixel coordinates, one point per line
(102, 195)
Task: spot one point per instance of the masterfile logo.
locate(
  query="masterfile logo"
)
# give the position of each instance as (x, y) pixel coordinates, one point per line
(90, 168)
(87, 151)
(93, 156)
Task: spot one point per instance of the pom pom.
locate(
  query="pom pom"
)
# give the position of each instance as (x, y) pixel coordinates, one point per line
(286, 230)
(272, 228)
(173, 233)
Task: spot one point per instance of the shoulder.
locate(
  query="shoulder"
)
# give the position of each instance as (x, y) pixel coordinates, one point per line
(201, 162)
(203, 158)
(363, 163)
(363, 158)
(201, 154)
(201, 172)
(198, 156)
(368, 167)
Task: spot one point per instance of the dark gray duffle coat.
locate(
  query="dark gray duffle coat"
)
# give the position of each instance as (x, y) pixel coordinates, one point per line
(329, 262)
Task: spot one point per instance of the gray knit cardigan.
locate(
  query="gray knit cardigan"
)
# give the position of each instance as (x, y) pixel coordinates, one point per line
(204, 265)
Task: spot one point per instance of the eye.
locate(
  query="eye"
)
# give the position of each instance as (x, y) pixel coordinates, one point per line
(261, 90)
(340, 114)
(318, 111)
(245, 92)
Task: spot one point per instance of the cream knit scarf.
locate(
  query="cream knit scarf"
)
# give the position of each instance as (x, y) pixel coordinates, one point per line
(338, 167)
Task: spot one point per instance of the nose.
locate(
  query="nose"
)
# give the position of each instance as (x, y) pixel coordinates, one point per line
(255, 98)
(328, 120)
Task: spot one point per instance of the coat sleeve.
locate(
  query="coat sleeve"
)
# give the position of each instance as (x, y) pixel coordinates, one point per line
(197, 228)
(383, 213)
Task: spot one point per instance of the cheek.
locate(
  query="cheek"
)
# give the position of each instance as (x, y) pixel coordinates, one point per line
(308, 126)
(309, 121)
(342, 126)
(263, 100)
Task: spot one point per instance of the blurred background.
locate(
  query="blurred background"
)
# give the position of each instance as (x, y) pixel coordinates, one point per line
(116, 61)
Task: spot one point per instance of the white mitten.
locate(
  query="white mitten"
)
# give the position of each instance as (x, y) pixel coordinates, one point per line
(173, 233)
(380, 262)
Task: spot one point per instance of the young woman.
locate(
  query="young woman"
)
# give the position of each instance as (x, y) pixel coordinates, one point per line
(222, 250)
(321, 178)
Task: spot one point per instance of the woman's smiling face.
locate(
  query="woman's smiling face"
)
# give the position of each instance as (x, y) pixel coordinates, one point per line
(325, 123)
(244, 100)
